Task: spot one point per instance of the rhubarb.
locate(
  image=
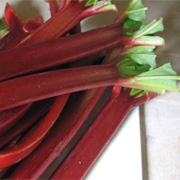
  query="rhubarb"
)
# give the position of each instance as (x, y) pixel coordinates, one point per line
(59, 82)
(98, 135)
(53, 4)
(38, 110)
(65, 130)
(133, 67)
(40, 56)
(75, 114)
(69, 123)
(64, 20)
(10, 117)
(18, 29)
(3, 171)
(32, 139)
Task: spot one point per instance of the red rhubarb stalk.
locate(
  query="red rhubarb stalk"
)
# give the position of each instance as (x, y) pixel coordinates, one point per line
(27, 89)
(32, 139)
(64, 20)
(55, 83)
(11, 18)
(66, 49)
(63, 4)
(3, 171)
(39, 56)
(74, 116)
(10, 117)
(64, 131)
(98, 135)
(53, 4)
(69, 123)
(18, 29)
(60, 101)
(58, 82)
(38, 110)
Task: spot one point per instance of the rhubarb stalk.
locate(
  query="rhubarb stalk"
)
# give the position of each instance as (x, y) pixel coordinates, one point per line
(98, 135)
(38, 110)
(69, 123)
(137, 79)
(66, 19)
(32, 139)
(66, 49)
(40, 56)
(58, 82)
(63, 50)
(53, 4)
(10, 117)
(64, 131)
(18, 29)
(75, 114)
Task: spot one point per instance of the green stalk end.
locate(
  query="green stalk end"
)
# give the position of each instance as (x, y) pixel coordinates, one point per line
(136, 11)
(3, 28)
(149, 29)
(133, 15)
(150, 40)
(157, 80)
(107, 7)
(137, 60)
(58, 2)
(96, 2)
(98, 6)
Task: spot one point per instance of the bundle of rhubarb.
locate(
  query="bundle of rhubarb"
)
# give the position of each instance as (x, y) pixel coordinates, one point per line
(64, 93)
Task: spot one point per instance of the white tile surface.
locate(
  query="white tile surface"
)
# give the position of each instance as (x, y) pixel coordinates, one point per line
(122, 158)
(163, 137)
